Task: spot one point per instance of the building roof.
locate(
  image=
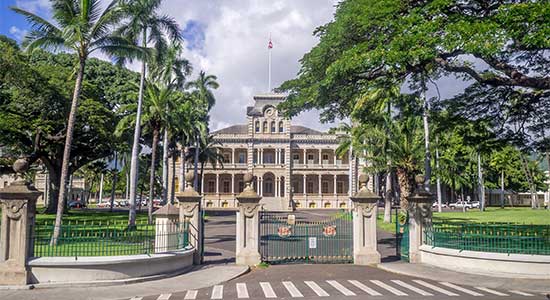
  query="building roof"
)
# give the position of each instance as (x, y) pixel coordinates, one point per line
(263, 100)
(243, 129)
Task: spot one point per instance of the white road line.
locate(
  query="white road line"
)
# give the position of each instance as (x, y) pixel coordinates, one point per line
(521, 293)
(342, 289)
(491, 291)
(459, 288)
(268, 290)
(389, 288)
(217, 292)
(164, 297)
(242, 292)
(317, 289)
(436, 288)
(412, 288)
(364, 288)
(291, 288)
(190, 295)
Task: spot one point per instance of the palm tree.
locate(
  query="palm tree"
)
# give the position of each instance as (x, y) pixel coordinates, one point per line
(209, 152)
(83, 28)
(144, 26)
(203, 85)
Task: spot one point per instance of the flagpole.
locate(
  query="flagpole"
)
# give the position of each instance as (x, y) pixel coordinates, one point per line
(269, 67)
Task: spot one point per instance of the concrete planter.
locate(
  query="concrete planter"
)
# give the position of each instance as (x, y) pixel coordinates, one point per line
(487, 263)
(105, 268)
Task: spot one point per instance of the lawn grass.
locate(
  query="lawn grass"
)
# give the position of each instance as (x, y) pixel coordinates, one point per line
(516, 215)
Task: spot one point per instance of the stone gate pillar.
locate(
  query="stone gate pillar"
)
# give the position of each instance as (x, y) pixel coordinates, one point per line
(364, 225)
(248, 225)
(167, 229)
(18, 202)
(190, 211)
(420, 216)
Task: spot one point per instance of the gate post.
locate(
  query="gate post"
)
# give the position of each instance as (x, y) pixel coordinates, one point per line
(420, 217)
(248, 225)
(190, 211)
(364, 225)
(18, 202)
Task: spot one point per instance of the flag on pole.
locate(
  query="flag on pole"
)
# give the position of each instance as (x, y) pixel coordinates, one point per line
(270, 45)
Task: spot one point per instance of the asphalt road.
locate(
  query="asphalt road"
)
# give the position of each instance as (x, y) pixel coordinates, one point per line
(314, 281)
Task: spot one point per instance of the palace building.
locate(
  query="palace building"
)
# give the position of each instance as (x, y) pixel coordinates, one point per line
(294, 166)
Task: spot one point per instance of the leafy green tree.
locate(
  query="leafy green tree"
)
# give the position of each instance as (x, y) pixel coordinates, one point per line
(84, 29)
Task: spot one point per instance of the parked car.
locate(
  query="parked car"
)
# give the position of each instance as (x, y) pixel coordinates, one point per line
(475, 204)
(76, 204)
(460, 204)
(434, 205)
(123, 203)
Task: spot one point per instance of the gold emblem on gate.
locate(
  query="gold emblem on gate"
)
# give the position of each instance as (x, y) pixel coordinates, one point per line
(284, 231)
(329, 230)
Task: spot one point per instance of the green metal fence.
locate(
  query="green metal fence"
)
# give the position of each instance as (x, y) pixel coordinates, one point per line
(108, 238)
(401, 234)
(490, 237)
(305, 241)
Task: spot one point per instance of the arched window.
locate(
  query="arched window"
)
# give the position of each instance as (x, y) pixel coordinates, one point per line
(265, 127)
(257, 125)
(272, 126)
(281, 129)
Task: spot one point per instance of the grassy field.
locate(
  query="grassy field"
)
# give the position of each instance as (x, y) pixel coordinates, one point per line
(516, 215)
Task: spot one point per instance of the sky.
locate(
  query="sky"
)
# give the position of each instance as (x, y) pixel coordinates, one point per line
(229, 38)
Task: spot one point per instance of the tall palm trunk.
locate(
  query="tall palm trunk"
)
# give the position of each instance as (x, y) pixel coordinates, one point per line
(196, 166)
(183, 167)
(67, 151)
(502, 189)
(156, 133)
(165, 166)
(405, 187)
(113, 188)
(427, 156)
(481, 185)
(135, 145)
(100, 197)
(438, 180)
(173, 190)
(387, 198)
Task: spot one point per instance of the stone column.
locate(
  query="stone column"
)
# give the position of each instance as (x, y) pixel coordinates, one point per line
(321, 157)
(364, 225)
(217, 184)
(190, 211)
(261, 162)
(248, 225)
(305, 156)
(334, 185)
(232, 156)
(167, 229)
(335, 157)
(305, 186)
(320, 190)
(18, 202)
(420, 217)
(232, 184)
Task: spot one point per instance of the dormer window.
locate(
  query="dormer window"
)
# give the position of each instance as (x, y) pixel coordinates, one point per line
(281, 129)
(257, 126)
(265, 127)
(272, 126)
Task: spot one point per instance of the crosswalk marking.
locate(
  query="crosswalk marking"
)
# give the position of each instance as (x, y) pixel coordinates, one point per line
(268, 290)
(217, 292)
(491, 291)
(521, 293)
(291, 288)
(342, 289)
(412, 288)
(137, 298)
(317, 289)
(242, 292)
(364, 288)
(391, 289)
(190, 295)
(459, 288)
(436, 288)
(164, 297)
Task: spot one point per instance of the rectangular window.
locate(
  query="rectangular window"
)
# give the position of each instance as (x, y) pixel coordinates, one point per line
(325, 156)
(310, 157)
(242, 158)
(296, 156)
(226, 187)
(241, 186)
(268, 158)
(211, 186)
(324, 188)
(226, 158)
(310, 187)
(340, 187)
(295, 186)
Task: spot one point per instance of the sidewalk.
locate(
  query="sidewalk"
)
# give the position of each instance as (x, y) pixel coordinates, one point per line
(200, 277)
(438, 274)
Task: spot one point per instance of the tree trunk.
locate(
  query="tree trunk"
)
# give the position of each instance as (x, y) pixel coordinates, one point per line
(502, 189)
(183, 166)
(154, 146)
(200, 177)
(173, 190)
(196, 166)
(387, 198)
(405, 187)
(67, 152)
(100, 200)
(135, 145)
(54, 191)
(113, 188)
(165, 166)
(438, 180)
(481, 185)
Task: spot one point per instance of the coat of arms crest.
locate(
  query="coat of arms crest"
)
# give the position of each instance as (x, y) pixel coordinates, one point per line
(329, 230)
(284, 231)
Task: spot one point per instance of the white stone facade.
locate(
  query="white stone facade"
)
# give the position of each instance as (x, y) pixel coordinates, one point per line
(294, 166)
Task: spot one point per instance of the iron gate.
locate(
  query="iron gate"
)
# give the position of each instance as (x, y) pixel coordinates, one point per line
(284, 239)
(402, 234)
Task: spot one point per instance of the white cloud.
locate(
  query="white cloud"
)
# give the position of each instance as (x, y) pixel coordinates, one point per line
(34, 6)
(235, 47)
(18, 33)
